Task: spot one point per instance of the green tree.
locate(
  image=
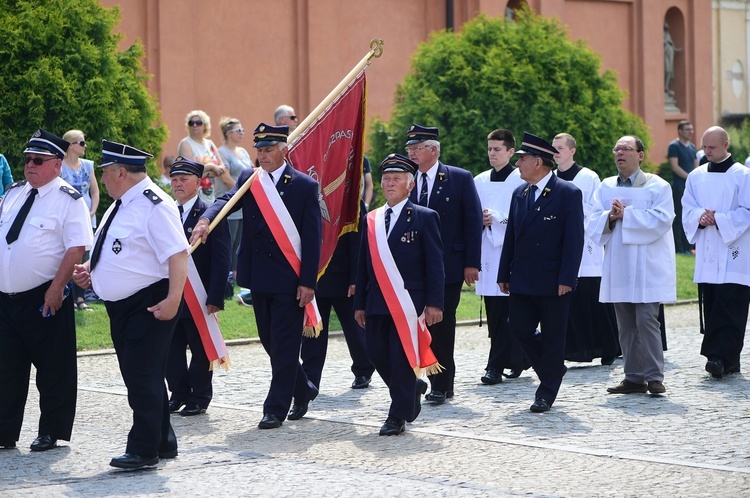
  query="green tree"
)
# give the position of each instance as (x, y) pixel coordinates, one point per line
(524, 76)
(62, 70)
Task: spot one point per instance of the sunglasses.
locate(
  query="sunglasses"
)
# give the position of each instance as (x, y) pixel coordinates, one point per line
(82, 143)
(238, 130)
(195, 123)
(292, 117)
(37, 160)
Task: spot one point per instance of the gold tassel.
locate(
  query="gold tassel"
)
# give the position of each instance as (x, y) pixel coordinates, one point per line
(312, 332)
(433, 369)
(224, 363)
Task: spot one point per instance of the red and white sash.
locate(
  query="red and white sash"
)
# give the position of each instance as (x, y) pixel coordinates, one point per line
(208, 325)
(412, 329)
(287, 237)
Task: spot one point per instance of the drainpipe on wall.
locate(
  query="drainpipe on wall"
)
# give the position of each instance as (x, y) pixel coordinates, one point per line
(449, 15)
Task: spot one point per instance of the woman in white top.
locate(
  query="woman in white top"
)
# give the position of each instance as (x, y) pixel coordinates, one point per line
(236, 158)
(79, 173)
(198, 147)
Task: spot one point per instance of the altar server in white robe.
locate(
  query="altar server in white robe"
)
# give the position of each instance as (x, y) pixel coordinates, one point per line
(495, 188)
(592, 326)
(716, 217)
(632, 218)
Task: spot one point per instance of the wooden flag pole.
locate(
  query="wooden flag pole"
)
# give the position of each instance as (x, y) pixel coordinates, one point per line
(376, 50)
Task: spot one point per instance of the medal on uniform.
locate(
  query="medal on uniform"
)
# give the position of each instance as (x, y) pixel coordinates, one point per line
(116, 246)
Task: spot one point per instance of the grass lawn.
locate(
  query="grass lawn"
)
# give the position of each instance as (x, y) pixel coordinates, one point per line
(238, 322)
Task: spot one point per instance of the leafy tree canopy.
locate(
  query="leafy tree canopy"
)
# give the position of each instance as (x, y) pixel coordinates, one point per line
(524, 76)
(62, 70)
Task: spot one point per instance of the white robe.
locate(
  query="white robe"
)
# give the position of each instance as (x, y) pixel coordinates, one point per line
(722, 252)
(593, 254)
(639, 260)
(495, 197)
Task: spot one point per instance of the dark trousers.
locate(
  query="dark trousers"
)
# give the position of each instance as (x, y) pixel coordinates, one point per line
(681, 244)
(387, 354)
(280, 319)
(725, 309)
(189, 384)
(142, 344)
(546, 351)
(49, 344)
(444, 339)
(505, 351)
(314, 350)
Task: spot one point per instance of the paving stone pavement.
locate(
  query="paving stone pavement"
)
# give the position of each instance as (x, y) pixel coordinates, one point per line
(693, 441)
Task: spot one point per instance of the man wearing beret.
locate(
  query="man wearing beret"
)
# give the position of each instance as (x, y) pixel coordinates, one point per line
(539, 263)
(451, 192)
(280, 210)
(138, 267)
(44, 230)
(400, 278)
(191, 385)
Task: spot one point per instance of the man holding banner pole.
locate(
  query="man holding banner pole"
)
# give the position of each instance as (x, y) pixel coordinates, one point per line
(278, 262)
(191, 385)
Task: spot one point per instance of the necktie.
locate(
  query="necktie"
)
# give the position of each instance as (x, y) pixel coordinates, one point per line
(270, 175)
(531, 198)
(388, 220)
(103, 235)
(15, 228)
(423, 191)
(180, 209)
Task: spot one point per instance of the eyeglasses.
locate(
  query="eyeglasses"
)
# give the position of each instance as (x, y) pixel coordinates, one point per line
(292, 117)
(37, 160)
(415, 149)
(238, 130)
(623, 149)
(82, 143)
(195, 123)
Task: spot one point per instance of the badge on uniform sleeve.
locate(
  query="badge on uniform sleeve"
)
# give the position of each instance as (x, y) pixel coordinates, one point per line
(116, 246)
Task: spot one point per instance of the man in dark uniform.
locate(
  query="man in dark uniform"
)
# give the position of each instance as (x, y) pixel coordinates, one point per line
(336, 290)
(451, 192)
(409, 250)
(44, 231)
(191, 386)
(138, 267)
(539, 263)
(280, 293)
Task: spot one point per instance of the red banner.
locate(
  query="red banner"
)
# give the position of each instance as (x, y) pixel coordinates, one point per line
(331, 151)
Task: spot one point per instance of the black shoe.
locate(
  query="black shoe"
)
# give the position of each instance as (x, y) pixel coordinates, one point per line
(421, 389)
(131, 461)
(436, 397)
(361, 382)
(715, 368)
(608, 360)
(175, 405)
(168, 455)
(298, 411)
(192, 409)
(539, 406)
(7, 445)
(491, 377)
(43, 443)
(393, 427)
(514, 374)
(269, 421)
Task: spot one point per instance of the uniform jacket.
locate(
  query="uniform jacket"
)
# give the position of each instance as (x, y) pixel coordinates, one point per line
(212, 259)
(416, 248)
(455, 199)
(543, 249)
(261, 266)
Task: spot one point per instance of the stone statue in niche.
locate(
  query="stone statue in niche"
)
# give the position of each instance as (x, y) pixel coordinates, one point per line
(669, 52)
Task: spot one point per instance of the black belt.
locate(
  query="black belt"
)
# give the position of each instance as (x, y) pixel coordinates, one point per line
(29, 293)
